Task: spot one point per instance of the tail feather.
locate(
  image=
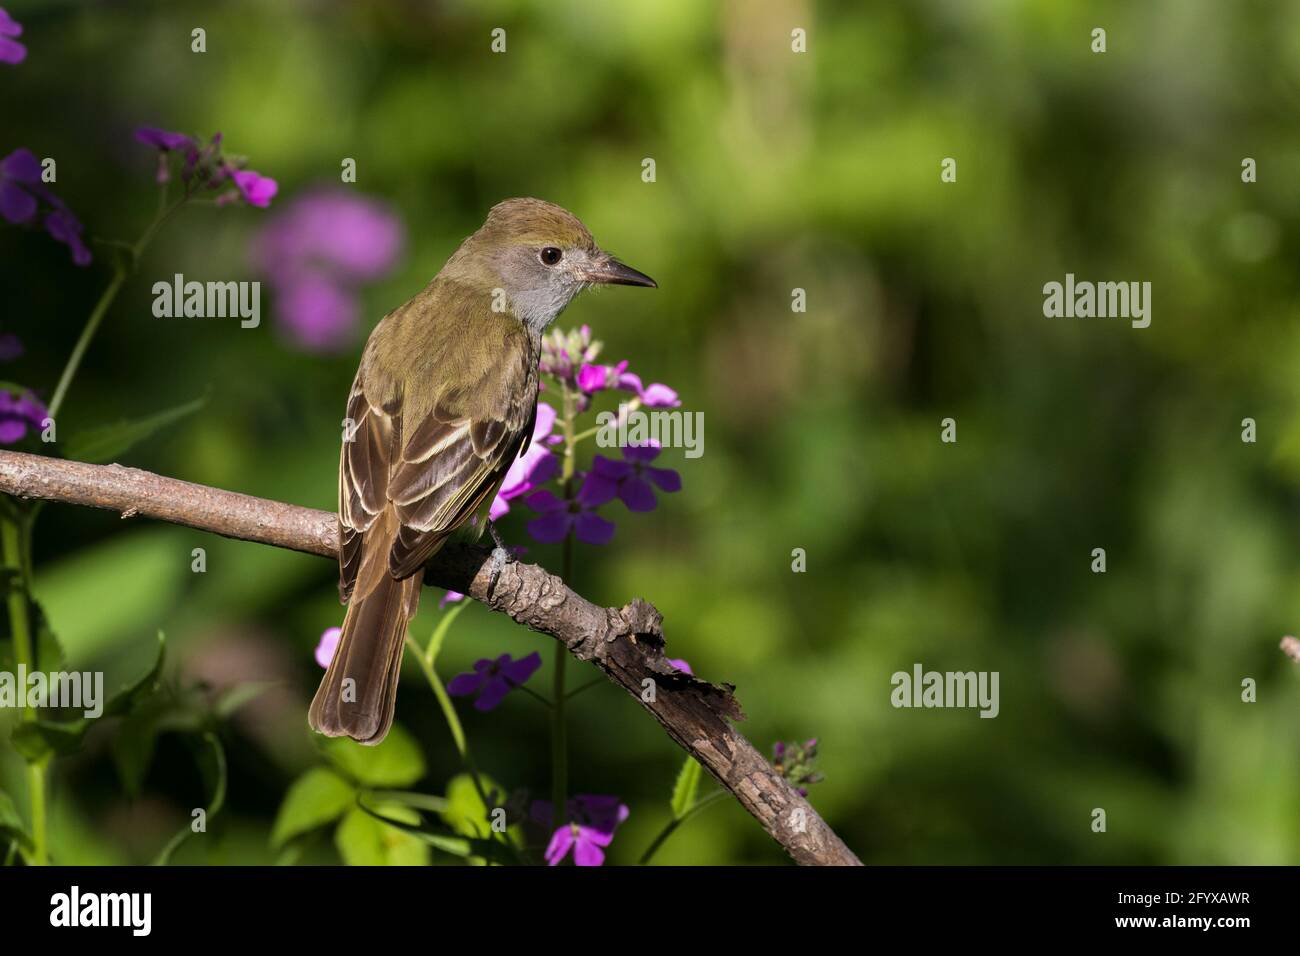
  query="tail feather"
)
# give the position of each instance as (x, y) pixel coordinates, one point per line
(359, 691)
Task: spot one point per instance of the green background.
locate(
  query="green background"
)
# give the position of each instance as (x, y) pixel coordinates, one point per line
(775, 170)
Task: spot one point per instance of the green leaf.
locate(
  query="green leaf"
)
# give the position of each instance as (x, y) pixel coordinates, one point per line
(236, 697)
(131, 693)
(468, 847)
(11, 824)
(97, 445)
(686, 789)
(440, 632)
(211, 758)
(465, 812)
(133, 749)
(371, 839)
(316, 798)
(397, 762)
(38, 739)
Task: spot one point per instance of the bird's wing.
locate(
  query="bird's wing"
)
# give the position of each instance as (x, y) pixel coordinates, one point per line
(452, 465)
(372, 434)
(434, 466)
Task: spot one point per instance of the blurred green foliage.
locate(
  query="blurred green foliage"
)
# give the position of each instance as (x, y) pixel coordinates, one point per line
(775, 170)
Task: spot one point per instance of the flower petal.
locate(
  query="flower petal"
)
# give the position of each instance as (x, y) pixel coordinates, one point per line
(561, 840)
(587, 852)
(21, 165)
(640, 454)
(329, 642)
(462, 685)
(258, 190)
(591, 528)
(162, 139)
(546, 416)
(518, 672)
(544, 501)
(659, 396)
(494, 690)
(637, 494)
(665, 478)
(596, 490)
(551, 527)
(16, 204)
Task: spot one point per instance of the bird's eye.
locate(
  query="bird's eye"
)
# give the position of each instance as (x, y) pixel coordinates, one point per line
(550, 255)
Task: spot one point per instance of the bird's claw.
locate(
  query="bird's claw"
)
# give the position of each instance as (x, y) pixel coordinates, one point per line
(499, 558)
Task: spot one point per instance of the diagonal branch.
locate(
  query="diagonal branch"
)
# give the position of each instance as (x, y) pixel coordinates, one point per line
(625, 643)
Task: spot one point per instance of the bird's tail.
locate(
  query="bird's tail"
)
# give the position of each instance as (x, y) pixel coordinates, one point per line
(359, 691)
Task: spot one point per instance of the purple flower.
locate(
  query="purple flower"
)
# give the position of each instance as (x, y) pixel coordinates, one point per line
(557, 517)
(534, 467)
(257, 190)
(494, 679)
(681, 665)
(163, 140)
(205, 167)
(64, 227)
(318, 313)
(329, 643)
(797, 763)
(658, 396)
(593, 818)
(18, 413)
(451, 597)
(564, 353)
(317, 252)
(20, 183)
(23, 197)
(632, 478)
(11, 51)
(596, 378)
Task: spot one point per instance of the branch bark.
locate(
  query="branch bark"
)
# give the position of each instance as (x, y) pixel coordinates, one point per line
(625, 643)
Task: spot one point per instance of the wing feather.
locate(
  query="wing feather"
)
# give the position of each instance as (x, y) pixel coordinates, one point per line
(452, 461)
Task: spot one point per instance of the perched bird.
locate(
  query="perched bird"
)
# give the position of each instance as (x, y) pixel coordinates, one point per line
(442, 404)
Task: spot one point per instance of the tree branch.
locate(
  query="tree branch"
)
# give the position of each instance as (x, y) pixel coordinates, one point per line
(625, 643)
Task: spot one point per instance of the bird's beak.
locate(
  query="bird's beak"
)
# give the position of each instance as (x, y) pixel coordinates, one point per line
(609, 270)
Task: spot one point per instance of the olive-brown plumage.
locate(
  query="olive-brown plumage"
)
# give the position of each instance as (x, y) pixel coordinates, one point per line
(442, 404)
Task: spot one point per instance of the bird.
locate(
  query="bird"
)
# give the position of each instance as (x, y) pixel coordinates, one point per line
(444, 400)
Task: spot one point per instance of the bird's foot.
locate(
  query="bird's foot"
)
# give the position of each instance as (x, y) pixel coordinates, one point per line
(499, 558)
(500, 555)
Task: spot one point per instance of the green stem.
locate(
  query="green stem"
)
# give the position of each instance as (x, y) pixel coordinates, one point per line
(450, 715)
(676, 822)
(13, 538)
(559, 730)
(83, 343)
(11, 541)
(587, 686)
(106, 299)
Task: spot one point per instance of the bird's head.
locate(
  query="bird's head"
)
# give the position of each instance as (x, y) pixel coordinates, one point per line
(540, 255)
